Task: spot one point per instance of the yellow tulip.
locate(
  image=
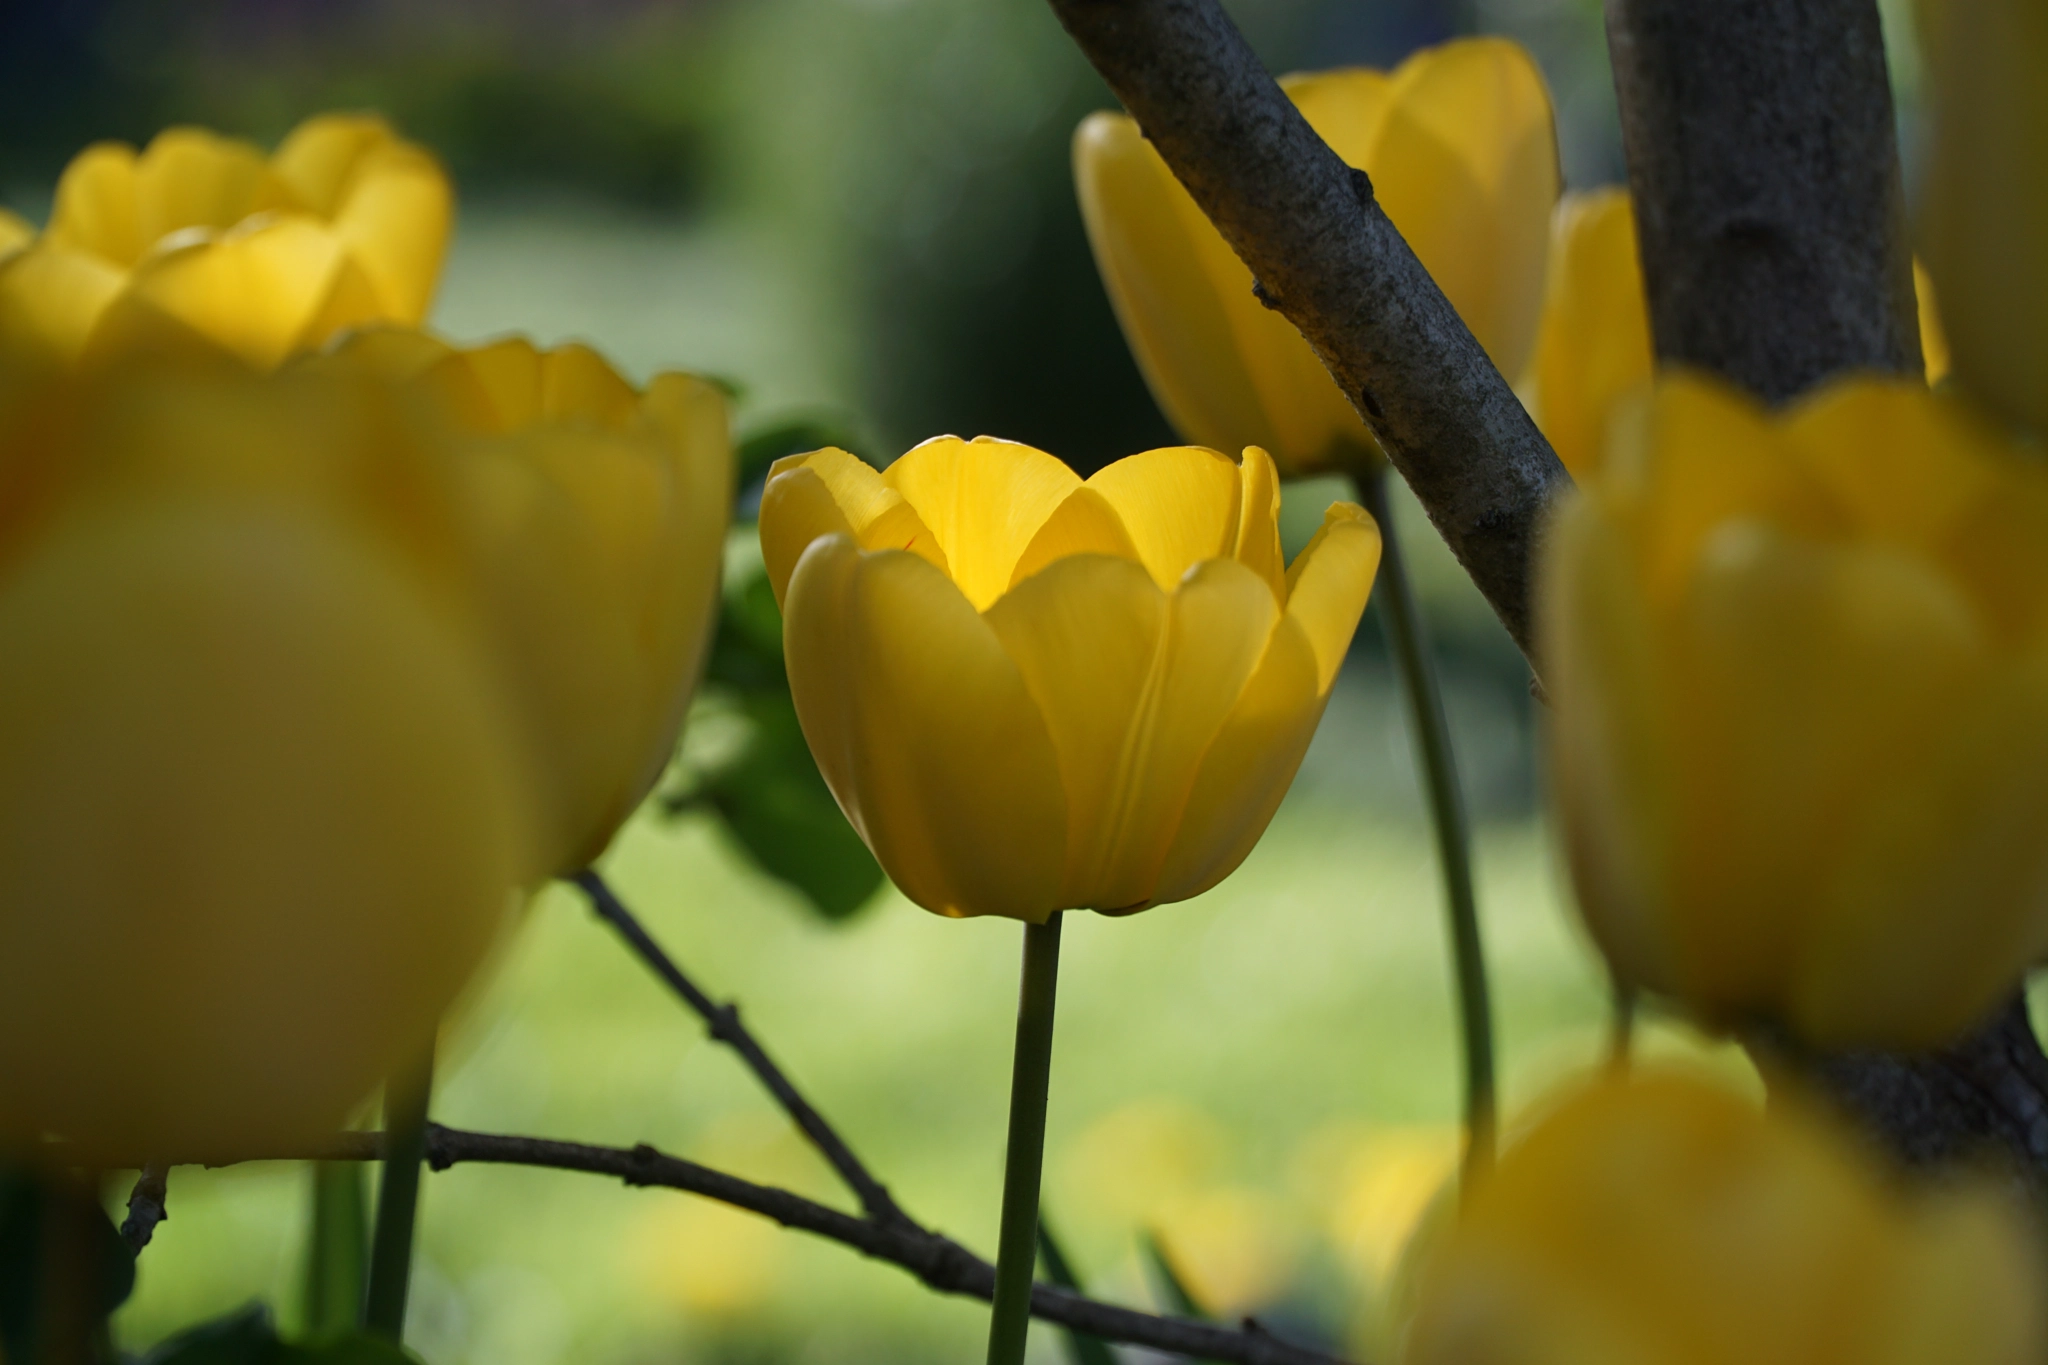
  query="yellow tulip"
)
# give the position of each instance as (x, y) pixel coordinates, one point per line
(1031, 693)
(1665, 1221)
(1799, 672)
(1986, 213)
(1460, 144)
(262, 804)
(202, 237)
(1594, 346)
(599, 516)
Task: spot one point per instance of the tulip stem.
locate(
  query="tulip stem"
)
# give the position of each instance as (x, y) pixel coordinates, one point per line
(1031, 1074)
(1621, 1039)
(398, 1198)
(1405, 634)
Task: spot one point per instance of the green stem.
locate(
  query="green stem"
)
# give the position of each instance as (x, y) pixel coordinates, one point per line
(1082, 1349)
(1622, 1037)
(337, 1251)
(398, 1197)
(1031, 1073)
(1406, 635)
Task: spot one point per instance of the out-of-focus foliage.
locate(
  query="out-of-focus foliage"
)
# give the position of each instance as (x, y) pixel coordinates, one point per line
(247, 1337)
(1031, 693)
(1462, 154)
(29, 1202)
(1798, 665)
(1661, 1218)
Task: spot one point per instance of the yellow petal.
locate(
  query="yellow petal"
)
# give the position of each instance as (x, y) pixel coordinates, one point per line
(1328, 583)
(1248, 767)
(1904, 463)
(1181, 505)
(396, 218)
(397, 353)
(923, 728)
(15, 233)
(577, 384)
(258, 291)
(1594, 343)
(319, 158)
(1465, 164)
(1157, 269)
(96, 205)
(1987, 200)
(1085, 524)
(1258, 523)
(1133, 685)
(984, 500)
(494, 387)
(52, 298)
(828, 491)
(191, 178)
(1933, 341)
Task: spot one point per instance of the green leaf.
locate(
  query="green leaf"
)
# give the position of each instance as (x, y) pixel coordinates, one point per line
(768, 442)
(1172, 1287)
(1081, 1348)
(248, 1337)
(25, 1200)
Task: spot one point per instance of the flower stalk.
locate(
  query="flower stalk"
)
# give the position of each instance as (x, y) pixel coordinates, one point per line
(1447, 815)
(398, 1197)
(1017, 1243)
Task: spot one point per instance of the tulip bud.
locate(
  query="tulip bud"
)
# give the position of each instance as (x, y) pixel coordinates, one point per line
(1664, 1219)
(598, 518)
(1031, 693)
(1986, 212)
(262, 805)
(200, 239)
(1460, 145)
(1798, 666)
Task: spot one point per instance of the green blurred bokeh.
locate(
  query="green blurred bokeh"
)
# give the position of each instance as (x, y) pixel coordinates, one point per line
(862, 208)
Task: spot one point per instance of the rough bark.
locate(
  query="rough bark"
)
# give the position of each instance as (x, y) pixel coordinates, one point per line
(1327, 257)
(1764, 168)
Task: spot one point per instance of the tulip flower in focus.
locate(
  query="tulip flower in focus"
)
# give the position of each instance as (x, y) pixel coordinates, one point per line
(1798, 666)
(263, 807)
(598, 516)
(1594, 346)
(1460, 145)
(1986, 215)
(202, 236)
(1031, 693)
(1665, 1221)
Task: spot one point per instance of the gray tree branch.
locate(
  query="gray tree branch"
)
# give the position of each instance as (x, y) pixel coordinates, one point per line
(935, 1259)
(1327, 257)
(1764, 167)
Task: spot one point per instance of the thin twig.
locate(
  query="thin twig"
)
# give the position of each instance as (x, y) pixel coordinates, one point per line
(725, 1027)
(935, 1259)
(1326, 255)
(146, 1207)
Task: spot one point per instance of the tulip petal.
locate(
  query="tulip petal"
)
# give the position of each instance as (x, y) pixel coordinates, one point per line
(1594, 345)
(1134, 686)
(1328, 583)
(15, 233)
(496, 386)
(576, 383)
(396, 220)
(95, 209)
(52, 297)
(1933, 340)
(1180, 505)
(1258, 525)
(984, 499)
(827, 491)
(318, 159)
(1085, 524)
(191, 178)
(1248, 767)
(925, 732)
(1906, 465)
(1156, 268)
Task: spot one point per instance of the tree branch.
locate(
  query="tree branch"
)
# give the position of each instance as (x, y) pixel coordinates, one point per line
(146, 1207)
(1326, 255)
(936, 1260)
(725, 1027)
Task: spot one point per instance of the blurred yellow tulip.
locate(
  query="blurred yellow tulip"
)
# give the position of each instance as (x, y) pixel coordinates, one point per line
(1031, 693)
(598, 522)
(1986, 211)
(201, 237)
(263, 806)
(1665, 1221)
(1460, 144)
(1594, 346)
(1798, 665)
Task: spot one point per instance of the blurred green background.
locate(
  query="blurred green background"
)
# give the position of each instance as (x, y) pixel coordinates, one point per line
(861, 209)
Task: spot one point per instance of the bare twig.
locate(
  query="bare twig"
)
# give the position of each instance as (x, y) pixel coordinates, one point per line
(1327, 257)
(935, 1259)
(146, 1207)
(725, 1027)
